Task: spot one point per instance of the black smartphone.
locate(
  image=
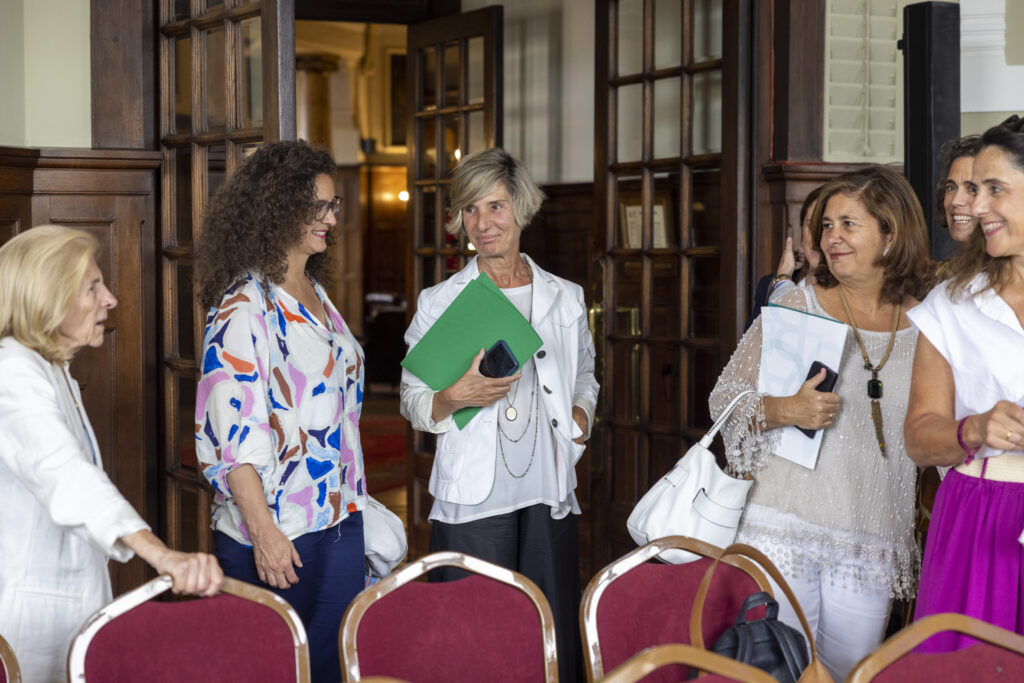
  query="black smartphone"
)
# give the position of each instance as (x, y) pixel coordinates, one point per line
(828, 384)
(499, 361)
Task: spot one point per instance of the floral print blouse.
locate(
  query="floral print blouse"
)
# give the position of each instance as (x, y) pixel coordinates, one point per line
(282, 393)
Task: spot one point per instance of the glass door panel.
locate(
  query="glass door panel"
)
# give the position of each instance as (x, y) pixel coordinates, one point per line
(455, 95)
(659, 94)
(212, 90)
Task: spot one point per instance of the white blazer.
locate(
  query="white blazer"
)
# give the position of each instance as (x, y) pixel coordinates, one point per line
(60, 516)
(463, 470)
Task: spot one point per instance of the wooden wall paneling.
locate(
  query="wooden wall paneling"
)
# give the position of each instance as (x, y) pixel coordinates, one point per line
(122, 38)
(112, 196)
(799, 80)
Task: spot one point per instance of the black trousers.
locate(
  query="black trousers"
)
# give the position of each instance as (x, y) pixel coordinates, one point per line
(543, 549)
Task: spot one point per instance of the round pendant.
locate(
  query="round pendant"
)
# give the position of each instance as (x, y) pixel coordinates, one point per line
(511, 413)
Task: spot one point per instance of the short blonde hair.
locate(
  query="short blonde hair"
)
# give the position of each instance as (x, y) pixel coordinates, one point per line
(478, 173)
(41, 271)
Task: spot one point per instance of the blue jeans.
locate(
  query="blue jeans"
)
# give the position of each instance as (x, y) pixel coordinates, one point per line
(333, 572)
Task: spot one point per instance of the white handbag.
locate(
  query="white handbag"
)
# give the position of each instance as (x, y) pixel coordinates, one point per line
(384, 537)
(696, 499)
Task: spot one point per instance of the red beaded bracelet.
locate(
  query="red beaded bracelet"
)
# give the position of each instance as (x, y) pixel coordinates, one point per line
(960, 439)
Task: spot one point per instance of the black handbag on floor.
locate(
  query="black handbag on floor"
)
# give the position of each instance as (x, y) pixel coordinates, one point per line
(766, 643)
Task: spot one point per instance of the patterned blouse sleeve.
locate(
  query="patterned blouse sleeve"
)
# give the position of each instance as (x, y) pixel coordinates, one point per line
(748, 441)
(233, 427)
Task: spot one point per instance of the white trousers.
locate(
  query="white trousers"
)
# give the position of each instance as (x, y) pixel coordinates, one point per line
(847, 625)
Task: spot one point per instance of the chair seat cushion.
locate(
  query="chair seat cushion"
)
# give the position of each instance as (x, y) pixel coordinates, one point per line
(473, 629)
(650, 605)
(223, 638)
(977, 663)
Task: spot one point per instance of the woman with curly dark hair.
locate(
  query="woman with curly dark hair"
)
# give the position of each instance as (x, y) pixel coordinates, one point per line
(277, 407)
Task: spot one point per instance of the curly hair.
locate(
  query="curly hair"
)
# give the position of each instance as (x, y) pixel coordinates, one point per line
(891, 201)
(973, 257)
(257, 215)
(958, 148)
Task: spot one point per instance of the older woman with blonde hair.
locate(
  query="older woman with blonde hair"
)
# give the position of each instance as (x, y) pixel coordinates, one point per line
(61, 517)
(503, 485)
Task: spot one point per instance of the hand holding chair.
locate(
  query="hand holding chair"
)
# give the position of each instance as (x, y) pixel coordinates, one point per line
(244, 634)
(634, 604)
(495, 626)
(998, 657)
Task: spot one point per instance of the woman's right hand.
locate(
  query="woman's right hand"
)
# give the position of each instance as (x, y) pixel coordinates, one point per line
(275, 556)
(807, 408)
(472, 389)
(1001, 428)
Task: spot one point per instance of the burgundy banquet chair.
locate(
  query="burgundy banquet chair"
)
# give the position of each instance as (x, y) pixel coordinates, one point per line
(493, 626)
(244, 634)
(719, 668)
(998, 656)
(634, 604)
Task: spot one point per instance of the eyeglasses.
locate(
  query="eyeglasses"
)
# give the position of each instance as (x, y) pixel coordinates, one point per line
(322, 206)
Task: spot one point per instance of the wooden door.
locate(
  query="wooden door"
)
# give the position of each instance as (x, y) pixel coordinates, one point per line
(454, 94)
(227, 84)
(671, 282)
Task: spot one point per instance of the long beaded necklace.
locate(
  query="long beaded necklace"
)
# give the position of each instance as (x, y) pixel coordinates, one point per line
(532, 417)
(511, 413)
(874, 384)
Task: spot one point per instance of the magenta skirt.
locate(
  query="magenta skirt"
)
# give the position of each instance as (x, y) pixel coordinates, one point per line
(973, 563)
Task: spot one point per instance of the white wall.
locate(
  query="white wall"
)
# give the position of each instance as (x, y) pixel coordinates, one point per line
(12, 73)
(991, 75)
(45, 73)
(549, 86)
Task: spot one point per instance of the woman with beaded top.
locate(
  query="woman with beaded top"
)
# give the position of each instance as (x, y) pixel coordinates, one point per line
(841, 533)
(503, 485)
(965, 404)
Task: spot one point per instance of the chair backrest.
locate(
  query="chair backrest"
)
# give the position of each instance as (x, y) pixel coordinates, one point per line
(634, 603)
(10, 672)
(999, 656)
(721, 668)
(492, 626)
(244, 633)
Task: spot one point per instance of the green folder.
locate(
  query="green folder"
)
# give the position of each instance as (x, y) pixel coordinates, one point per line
(478, 317)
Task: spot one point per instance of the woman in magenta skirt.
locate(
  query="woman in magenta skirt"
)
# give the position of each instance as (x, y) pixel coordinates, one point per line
(965, 405)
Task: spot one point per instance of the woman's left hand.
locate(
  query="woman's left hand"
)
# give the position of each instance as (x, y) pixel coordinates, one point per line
(192, 573)
(579, 416)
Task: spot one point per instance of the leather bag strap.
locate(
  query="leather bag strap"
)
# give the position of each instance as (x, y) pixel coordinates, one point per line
(696, 632)
(710, 436)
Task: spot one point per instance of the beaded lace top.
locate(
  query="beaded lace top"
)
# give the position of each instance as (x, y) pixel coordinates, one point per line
(852, 515)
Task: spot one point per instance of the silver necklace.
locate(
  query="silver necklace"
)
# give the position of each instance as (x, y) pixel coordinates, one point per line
(510, 412)
(534, 405)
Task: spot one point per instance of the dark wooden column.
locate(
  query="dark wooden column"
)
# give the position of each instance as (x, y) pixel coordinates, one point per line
(123, 59)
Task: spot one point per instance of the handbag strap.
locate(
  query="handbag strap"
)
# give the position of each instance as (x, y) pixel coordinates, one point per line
(697, 634)
(710, 436)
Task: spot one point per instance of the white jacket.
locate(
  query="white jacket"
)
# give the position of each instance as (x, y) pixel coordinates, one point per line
(60, 516)
(463, 470)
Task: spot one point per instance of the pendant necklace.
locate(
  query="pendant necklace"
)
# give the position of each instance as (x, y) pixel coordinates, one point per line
(510, 412)
(874, 384)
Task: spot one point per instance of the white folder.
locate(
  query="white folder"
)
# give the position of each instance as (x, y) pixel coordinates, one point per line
(791, 341)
